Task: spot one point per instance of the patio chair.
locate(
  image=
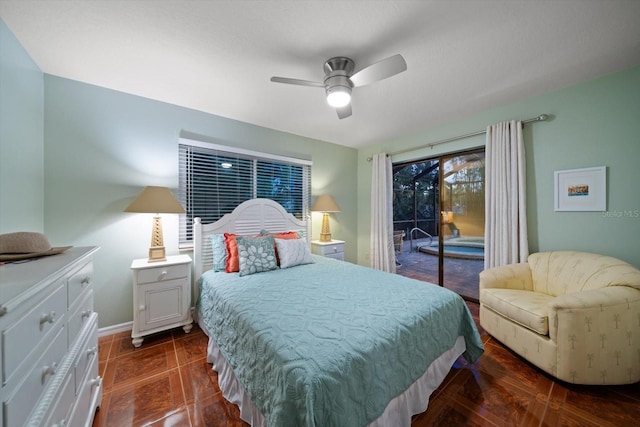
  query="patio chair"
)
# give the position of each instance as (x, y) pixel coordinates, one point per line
(398, 237)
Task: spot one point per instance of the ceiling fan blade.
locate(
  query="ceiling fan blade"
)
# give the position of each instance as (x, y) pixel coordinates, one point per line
(344, 112)
(380, 70)
(296, 82)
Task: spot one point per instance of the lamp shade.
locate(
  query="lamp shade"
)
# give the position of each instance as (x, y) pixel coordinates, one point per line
(325, 203)
(155, 200)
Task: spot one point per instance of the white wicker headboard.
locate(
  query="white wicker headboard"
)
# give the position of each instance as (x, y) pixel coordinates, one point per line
(248, 218)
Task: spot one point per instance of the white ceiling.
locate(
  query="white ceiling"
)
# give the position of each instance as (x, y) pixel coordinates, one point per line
(218, 56)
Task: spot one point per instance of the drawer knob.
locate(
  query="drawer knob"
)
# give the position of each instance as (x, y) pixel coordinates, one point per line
(96, 381)
(48, 317)
(49, 370)
(91, 351)
(86, 313)
(85, 280)
(164, 273)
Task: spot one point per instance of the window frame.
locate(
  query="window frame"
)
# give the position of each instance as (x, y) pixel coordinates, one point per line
(255, 157)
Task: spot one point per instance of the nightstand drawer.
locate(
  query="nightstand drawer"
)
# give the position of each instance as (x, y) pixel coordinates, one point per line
(332, 248)
(336, 255)
(163, 273)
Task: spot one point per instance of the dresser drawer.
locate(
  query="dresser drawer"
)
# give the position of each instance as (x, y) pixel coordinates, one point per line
(88, 397)
(79, 317)
(87, 354)
(159, 274)
(78, 282)
(58, 414)
(21, 402)
(19, 339)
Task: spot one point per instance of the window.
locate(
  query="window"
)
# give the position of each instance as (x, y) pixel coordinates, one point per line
(214, 179)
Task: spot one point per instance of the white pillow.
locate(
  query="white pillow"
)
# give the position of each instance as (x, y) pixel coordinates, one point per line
(293, 252)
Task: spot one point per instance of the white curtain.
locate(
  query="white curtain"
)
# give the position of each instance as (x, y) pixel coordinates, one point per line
(505, 235)
(382, 251)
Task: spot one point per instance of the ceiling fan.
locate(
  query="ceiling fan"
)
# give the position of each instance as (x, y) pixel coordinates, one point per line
(339, 79)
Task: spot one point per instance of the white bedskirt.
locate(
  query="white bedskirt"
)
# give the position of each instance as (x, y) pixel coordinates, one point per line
(397, 413)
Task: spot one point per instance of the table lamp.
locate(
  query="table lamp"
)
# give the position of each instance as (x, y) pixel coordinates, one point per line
(156, 200)
(325, 204)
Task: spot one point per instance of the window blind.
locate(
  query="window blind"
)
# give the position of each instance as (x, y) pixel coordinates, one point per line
(214, 179)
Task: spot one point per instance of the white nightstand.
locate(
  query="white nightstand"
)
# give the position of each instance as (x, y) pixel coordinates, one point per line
(333, 249)
(161, 296)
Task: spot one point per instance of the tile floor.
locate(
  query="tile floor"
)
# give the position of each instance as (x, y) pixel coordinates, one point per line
(167, 382)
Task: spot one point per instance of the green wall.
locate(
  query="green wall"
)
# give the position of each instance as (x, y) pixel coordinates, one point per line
(102, 147)
(21, 138)
(596, 123)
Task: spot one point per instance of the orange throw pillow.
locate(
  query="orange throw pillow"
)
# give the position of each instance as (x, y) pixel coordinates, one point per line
(233, 260)
(286, 235)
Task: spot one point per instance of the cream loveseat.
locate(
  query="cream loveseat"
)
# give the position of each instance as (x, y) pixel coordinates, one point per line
(575, 315)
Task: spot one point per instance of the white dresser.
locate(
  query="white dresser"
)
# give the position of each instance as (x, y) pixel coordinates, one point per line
(49, 345)
(332, 249)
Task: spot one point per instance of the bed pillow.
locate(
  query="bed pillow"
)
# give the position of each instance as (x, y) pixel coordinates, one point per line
(256, 254)
(219, 249)
(293, 252)
(283, 235)
(233, 266)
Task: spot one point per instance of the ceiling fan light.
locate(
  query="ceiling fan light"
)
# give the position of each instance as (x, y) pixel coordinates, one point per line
(339, 97)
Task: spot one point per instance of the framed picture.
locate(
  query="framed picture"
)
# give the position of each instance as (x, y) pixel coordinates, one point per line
(581, 189)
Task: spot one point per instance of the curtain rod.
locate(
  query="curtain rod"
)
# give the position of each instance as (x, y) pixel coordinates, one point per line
(540, 118)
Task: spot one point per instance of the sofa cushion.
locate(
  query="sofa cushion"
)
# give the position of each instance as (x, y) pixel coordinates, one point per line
(526, 308)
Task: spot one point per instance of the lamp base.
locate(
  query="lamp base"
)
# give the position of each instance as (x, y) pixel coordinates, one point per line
(325, 237)
(157, 253)
(156, 250)
(325, 231)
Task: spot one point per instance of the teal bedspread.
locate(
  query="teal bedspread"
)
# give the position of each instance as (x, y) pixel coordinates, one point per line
(330, 343)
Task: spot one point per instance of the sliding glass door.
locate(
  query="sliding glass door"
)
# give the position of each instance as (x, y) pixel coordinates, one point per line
(439, 208)
(461, 237)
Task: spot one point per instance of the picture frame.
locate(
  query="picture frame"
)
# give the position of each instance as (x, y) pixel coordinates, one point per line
(581, 189)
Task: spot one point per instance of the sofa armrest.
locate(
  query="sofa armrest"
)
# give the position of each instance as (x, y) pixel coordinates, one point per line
(601, 309)
(512, 276)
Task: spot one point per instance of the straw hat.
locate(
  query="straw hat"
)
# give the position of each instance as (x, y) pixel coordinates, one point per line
(25, 245)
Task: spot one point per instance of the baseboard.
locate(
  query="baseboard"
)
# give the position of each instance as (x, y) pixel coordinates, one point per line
(114, 329)
(127, 326)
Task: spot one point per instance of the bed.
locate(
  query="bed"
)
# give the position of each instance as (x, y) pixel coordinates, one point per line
(316, 341)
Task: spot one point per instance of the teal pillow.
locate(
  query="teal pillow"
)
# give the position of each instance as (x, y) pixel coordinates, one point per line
(220, 254)
(256, 254)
